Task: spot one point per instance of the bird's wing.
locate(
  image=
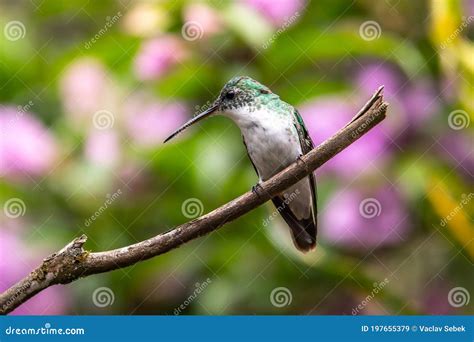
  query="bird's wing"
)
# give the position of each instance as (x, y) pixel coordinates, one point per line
(303, 229)
(306, 146)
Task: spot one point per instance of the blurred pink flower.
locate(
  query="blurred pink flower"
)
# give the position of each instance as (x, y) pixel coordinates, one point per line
(103, 147)
(205, 16)
(449, 86)
(434, 298)
(365, 220)
(277, 12)
(16, 261)
(158, 56)
(324, 117)
(149, 122)
(373, 75)
(468, 7)
(85, 90)
(414, 101)
(457, 148)
(420, 103)
(26, 146)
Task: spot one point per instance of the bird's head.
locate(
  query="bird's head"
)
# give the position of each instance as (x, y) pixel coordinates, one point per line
(239, 93)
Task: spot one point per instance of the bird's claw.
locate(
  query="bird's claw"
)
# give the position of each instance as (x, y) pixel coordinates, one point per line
(257, 189)
(301, 160)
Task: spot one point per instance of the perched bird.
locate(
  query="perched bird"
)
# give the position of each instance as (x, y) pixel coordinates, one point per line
(275, 136)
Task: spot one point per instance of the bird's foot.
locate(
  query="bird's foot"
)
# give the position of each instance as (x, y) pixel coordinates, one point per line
(257, 189)
(302, 161)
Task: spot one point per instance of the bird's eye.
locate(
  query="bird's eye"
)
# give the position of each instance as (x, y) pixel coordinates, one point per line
(229, 95)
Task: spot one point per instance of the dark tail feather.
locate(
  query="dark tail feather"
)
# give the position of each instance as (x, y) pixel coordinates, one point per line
(301, 238)
(303, 231)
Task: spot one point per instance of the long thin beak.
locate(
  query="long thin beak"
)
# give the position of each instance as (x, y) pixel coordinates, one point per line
(197, 118)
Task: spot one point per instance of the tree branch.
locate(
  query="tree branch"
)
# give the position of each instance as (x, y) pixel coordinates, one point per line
(73, 262)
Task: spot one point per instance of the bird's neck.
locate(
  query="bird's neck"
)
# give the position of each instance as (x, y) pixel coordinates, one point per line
(257, 118)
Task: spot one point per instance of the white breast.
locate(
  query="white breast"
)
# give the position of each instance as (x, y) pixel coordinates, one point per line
(273, 144)
(272, 140)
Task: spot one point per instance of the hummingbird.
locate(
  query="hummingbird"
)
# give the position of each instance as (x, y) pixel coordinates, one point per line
(274, 136)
